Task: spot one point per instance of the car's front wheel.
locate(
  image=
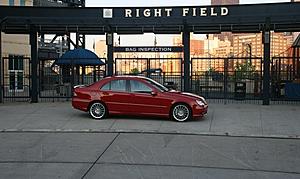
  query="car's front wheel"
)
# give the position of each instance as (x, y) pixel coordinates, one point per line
(98, 110)
(181, 112)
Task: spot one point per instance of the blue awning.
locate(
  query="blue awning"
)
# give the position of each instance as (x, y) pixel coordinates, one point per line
(79, 56)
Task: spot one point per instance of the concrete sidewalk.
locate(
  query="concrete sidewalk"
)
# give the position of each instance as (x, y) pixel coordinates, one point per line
(231, 119)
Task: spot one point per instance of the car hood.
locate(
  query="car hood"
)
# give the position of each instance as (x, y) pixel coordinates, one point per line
(190, 95)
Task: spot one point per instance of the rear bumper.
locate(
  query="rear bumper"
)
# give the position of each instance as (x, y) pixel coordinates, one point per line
(80, 104)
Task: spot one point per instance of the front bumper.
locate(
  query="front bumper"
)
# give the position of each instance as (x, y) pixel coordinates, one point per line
(199, 111)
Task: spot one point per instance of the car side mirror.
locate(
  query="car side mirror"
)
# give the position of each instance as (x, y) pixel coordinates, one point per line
(153, 93)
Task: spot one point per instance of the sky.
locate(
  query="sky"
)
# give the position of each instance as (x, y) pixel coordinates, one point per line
(148, 39)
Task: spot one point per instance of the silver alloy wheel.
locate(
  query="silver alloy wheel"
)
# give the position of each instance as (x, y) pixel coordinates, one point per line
(181, 112)
(97, 110)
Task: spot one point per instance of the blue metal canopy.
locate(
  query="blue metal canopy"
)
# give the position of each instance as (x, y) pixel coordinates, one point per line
(79, 56)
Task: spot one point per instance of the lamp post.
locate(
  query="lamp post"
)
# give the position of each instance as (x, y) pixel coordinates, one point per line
(208, 52)
(250, 53)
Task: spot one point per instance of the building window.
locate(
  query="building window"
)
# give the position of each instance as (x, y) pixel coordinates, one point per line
(11, 2)
(16, 72)
(22, 2)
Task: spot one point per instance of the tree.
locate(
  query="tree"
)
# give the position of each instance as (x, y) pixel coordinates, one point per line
(244, 71)
(134, 71)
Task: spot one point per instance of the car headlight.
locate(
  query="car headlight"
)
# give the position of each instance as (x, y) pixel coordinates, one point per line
(200, 103)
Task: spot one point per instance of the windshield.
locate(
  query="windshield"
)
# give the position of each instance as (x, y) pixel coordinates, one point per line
(157, 85)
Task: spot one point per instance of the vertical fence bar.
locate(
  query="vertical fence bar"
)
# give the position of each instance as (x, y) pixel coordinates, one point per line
(1, 82)
(266, 77)
(225, 79)
(186, 43)
(34, 64)
(110, 53)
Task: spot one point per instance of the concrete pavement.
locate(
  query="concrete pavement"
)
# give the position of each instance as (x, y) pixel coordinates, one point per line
(242, 141)
(46, 155)
(230, 119)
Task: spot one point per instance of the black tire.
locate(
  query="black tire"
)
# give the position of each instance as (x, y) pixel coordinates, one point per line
(98, 110)
(181, 112)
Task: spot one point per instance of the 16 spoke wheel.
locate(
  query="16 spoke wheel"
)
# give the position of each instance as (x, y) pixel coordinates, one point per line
(181, 113)
(97, 110)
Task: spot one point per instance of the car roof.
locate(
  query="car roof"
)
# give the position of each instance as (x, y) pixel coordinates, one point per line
(128, 77)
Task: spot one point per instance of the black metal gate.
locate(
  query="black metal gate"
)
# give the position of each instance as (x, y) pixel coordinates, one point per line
(283, 73)
(16, 78)
(57, 81)
(167, 71)
(131, 66)
(227, 78)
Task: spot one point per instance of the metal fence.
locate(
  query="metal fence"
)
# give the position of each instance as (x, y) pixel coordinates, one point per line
(227, 78)
(214, 78)
(167, 71)
(58, 81)
(16, 78)
(284, 72)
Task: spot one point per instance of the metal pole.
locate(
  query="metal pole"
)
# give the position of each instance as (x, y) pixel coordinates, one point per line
(225, 78)
(34, 64)
(266, 75)
(110, 53)
(1, 82)
(77, 40)
(294, 61)
(250, 54)
(186, 45)
(208, 52)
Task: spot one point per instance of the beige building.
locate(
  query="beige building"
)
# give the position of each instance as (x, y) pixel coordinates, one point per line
(15, 56)
(16, 2)
(246, 45)
(100, 48)
(15, 44)
(242, 43)
(209, 53)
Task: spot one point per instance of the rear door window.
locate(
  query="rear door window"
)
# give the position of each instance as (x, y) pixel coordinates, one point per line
(115, 85)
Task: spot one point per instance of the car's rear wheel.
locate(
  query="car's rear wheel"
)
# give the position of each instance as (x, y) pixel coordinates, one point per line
(181, 112)
(98, 110)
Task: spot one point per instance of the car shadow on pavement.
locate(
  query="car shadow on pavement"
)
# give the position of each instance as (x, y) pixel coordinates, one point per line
(138, 118)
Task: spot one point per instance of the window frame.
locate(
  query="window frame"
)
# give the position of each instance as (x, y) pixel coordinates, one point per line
(16, 73)
(11, 2)
(22, 3)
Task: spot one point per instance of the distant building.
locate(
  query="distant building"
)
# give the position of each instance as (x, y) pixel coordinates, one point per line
(243, 42)
(250, 45)
(59, 3)
(224, 35)
(207, 53)
(100, 48)
(196, 47)
(224, 2)
(225, 49)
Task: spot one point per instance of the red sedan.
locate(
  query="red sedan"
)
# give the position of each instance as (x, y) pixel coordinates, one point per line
(135, 95)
